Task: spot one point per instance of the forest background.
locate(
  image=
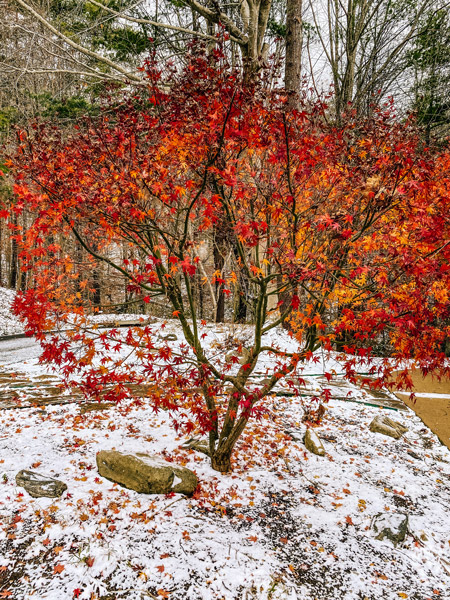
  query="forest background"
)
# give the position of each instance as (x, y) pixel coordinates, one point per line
(59, 59)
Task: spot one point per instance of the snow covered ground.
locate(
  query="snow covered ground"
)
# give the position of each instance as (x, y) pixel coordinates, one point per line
(285, 524)
(10, 324)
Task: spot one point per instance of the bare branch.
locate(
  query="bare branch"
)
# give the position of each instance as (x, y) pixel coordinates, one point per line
(218, 17)
(82, 49)
(154, 23)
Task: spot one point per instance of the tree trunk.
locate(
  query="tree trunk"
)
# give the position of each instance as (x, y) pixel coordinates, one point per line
(240, 307)
(255, 15)
(96, 287)
(219, 262)
(221, 460)
(294, 35)
(284, 301)
(13, 273)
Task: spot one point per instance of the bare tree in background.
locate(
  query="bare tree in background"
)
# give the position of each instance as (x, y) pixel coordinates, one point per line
(364, 43)
(243, 22)
(293, 60)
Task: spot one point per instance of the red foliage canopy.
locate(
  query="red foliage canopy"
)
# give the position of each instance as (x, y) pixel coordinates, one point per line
(348, 226)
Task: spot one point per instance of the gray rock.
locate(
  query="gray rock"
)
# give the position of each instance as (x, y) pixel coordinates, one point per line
(39, 486)
(230, 356)
(145, 474)
(393, 526)
(170, 337)
(198, 445)
(386, 426)
(313, 443)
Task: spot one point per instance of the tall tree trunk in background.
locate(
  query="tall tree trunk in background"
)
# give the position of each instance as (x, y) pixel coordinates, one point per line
(219, 249)
(293, 65)
(1, 253)
(255, 15)
(96, 287)
(13, 273)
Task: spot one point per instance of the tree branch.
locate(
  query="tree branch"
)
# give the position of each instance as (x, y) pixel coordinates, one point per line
(154, 23)
(219, 17)
(70, 42)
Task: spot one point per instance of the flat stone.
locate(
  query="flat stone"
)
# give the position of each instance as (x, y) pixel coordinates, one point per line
(39, 486)
(386, 426)
(198, 445)
(295, 435)
(313, 443)
(145, 474)
(393, 526)
(170, 337)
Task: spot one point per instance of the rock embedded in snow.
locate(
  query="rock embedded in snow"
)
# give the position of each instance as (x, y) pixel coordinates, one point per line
(230, 356)
(393, 526)
(198, 445)
(386, 426)
(170, 337)
(313, 443)
(39, 486)
(145, 474)
(295, 435)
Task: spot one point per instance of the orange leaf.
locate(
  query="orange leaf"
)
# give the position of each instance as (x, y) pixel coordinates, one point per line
(253, 538)
(58, 568)
(160, 568)
(349, 520)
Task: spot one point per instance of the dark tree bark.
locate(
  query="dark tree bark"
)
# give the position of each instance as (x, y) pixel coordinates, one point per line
(294, 35)
(13, 273)
(219, 261)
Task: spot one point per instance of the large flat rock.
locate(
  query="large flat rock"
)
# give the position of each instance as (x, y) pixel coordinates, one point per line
(145, 474)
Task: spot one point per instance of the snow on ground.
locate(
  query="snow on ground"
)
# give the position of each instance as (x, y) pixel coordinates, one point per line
(9, 324)
(285, 524)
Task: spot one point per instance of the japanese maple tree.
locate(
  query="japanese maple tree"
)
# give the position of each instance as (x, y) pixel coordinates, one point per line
(342, 231)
